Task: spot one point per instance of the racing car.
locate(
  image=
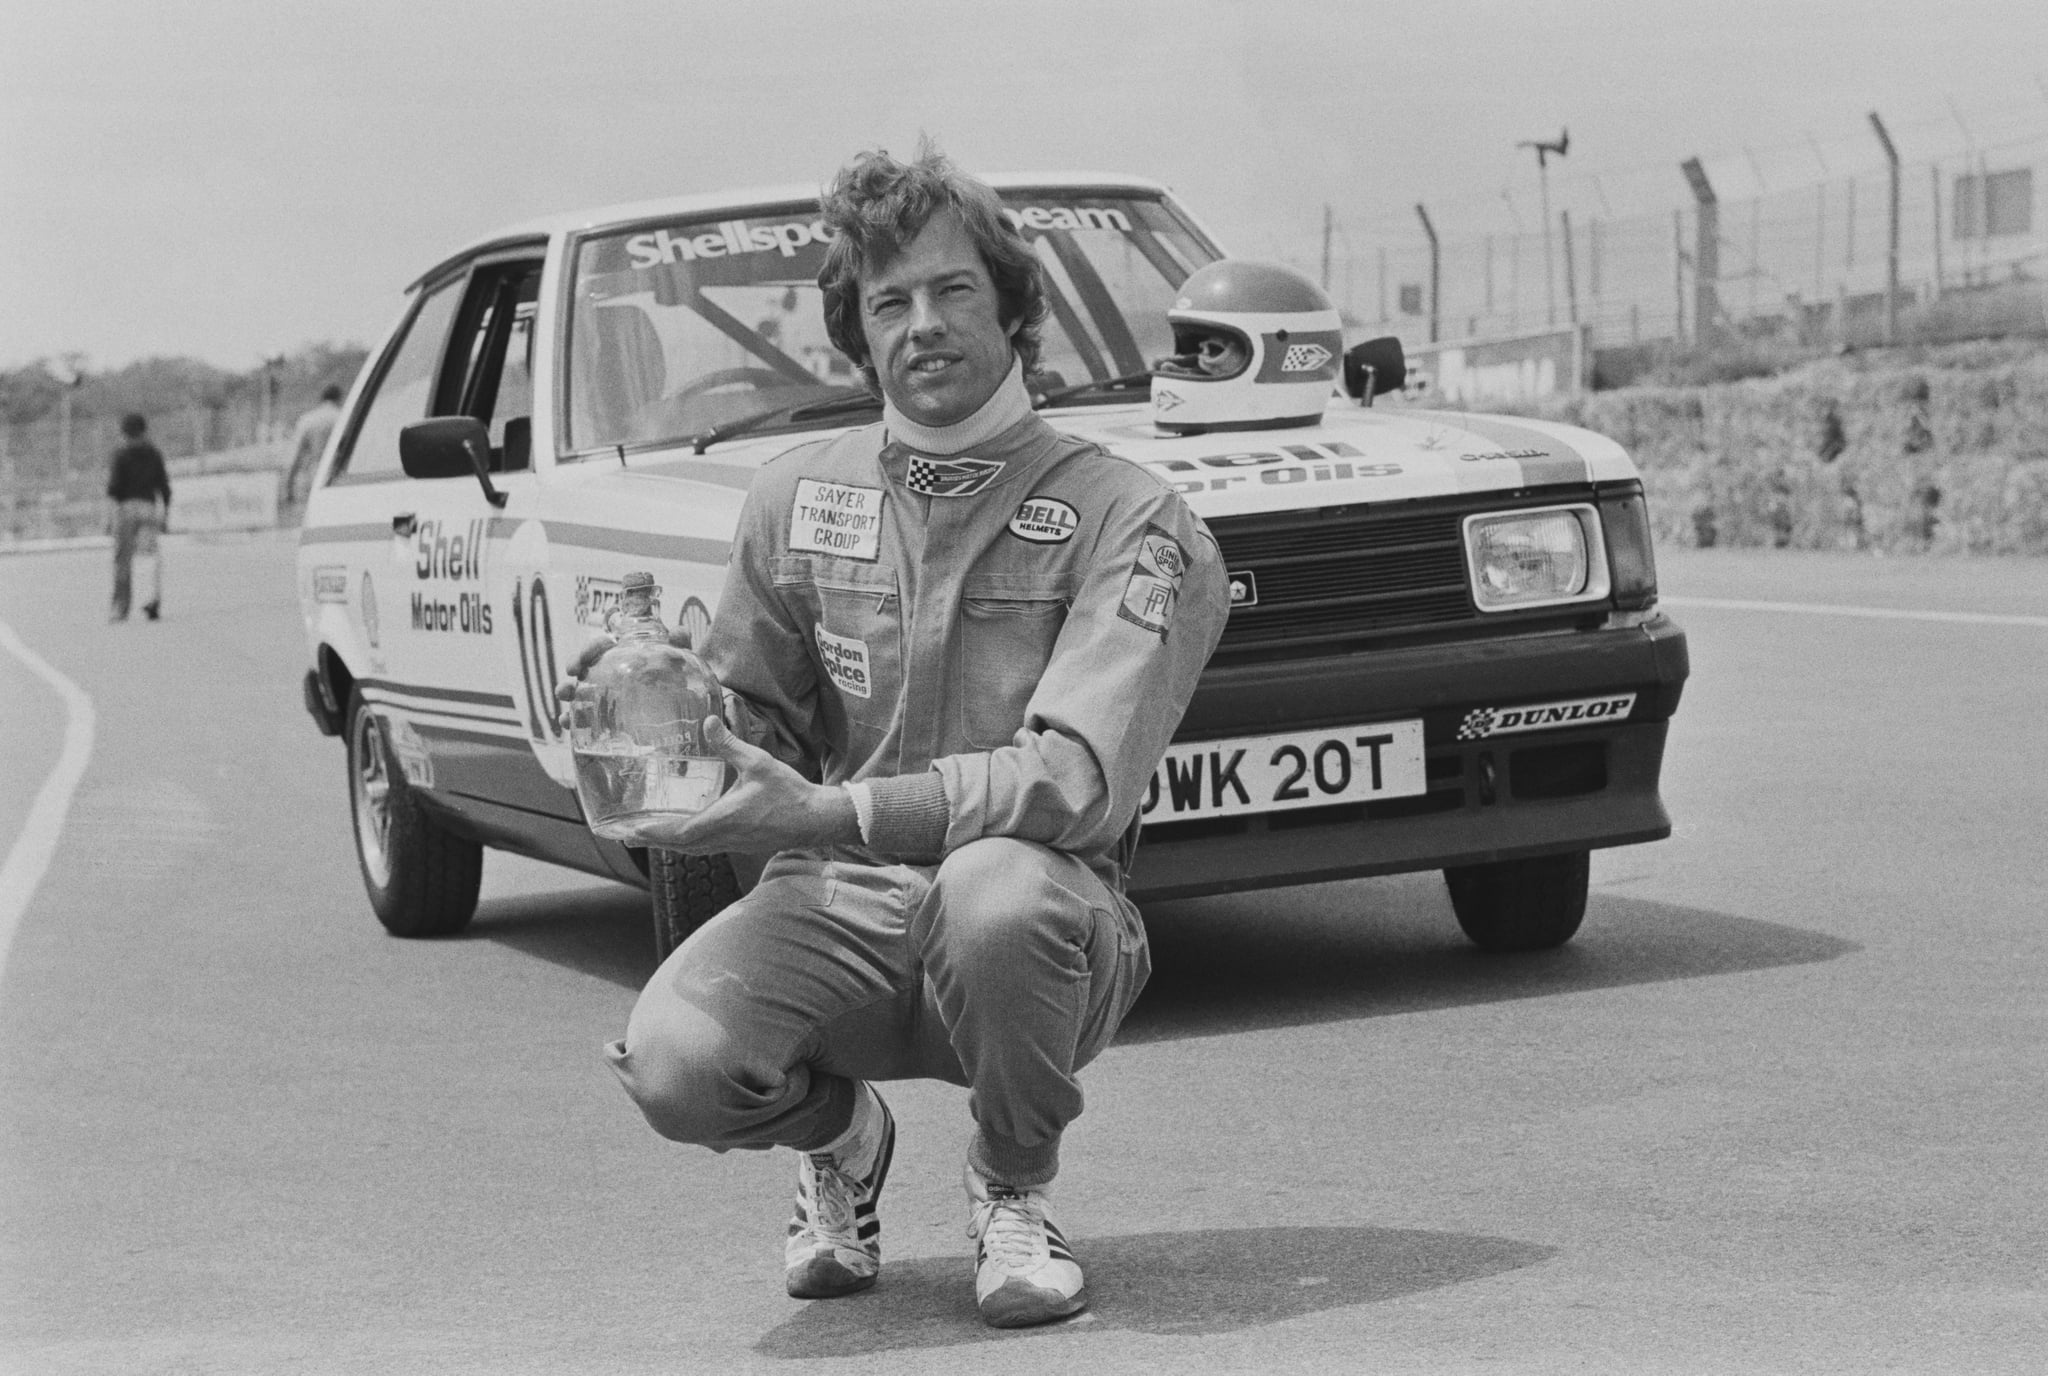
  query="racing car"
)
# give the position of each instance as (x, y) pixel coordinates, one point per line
(1444, 650)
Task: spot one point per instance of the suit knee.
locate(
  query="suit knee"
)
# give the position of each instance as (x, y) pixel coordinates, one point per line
(687, 1078)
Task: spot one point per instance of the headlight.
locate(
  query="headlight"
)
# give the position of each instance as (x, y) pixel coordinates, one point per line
(1536, 558)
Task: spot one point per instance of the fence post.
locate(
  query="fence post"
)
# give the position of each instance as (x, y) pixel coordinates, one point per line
(1820, 240)
(1891, 270)
(1934, 174)
(1706, 258)
(1571, 276)
(1435, 263)
(1678, 277)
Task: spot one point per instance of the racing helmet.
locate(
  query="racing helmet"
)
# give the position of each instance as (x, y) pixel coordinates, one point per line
(1254, 345)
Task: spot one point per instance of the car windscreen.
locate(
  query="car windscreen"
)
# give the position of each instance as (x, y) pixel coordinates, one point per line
(681, 328)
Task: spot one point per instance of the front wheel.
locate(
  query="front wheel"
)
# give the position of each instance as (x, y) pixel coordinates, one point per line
(1521, 905)
(422, 878)
(687, 892)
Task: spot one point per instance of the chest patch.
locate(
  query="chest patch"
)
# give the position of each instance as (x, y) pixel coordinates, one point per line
(950, 477)
(846, 663)
(836, 518)
(1154, 587)
(1045, 521)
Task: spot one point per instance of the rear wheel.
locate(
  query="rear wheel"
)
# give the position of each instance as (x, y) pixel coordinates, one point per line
(688, 891)
(1521, 905)
(422, 878)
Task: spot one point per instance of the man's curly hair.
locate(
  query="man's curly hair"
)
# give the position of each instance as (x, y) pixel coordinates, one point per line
(876, 205)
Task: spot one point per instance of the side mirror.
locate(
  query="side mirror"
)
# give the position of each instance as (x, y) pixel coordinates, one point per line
(448, 447)
(1375, 367)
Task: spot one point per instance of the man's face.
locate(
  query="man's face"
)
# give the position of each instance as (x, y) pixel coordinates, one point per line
(930, 319)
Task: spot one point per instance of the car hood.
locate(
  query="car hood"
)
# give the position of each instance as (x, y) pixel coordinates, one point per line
(1356, 455)
(1353, 455)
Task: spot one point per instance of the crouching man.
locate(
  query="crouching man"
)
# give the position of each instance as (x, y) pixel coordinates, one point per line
(956, 645)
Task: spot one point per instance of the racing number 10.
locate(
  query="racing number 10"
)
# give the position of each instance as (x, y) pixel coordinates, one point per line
(1331, 767)
(533, 625)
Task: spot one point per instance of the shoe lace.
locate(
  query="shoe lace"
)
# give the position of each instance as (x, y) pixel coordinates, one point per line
(833, 1193)
(1011, 1229)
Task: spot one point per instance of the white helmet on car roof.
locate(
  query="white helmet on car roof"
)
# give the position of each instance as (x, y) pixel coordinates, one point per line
(1254, 345)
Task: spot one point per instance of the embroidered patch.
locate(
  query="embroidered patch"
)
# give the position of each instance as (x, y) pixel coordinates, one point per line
(950, 477)
(836, 518)
(1045, 521)
(846, 663)
(1154, 588)
(1481, 722)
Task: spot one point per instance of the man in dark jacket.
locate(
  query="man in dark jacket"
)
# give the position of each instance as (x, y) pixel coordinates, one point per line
(139, 500)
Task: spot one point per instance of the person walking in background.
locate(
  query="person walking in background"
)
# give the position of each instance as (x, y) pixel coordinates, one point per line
(309, 442)
(138, 503)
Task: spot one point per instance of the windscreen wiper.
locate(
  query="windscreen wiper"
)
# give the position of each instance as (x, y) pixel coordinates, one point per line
(804, 410)
(1108, 384)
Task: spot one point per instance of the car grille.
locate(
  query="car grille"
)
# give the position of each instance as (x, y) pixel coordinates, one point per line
(1330, 578)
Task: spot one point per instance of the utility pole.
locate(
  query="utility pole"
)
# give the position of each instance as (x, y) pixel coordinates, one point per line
(1435, 262)
(1543, 152)
(1891, 270)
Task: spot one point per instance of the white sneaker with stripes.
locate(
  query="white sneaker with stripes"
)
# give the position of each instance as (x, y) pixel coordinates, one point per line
(835, 1237)
(1024, 1272)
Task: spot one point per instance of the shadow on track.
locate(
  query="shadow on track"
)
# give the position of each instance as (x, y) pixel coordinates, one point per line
(1277, 958)
(1289, 957)
(1216, 1281)
(602, 930)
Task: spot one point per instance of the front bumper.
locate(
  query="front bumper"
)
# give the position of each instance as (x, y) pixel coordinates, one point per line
(1495, 798)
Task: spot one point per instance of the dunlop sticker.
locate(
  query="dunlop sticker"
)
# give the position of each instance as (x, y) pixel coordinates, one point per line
(1500, 721)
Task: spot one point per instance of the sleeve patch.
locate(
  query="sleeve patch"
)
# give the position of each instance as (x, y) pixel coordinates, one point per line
(1154, 586)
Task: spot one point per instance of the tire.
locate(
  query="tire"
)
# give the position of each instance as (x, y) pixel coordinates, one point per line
(1521, 905)
(687, 892)
(422, 878)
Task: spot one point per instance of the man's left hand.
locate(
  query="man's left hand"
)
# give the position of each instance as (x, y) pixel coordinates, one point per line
(770, 807)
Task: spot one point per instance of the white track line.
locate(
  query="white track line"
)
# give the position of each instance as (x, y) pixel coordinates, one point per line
(30, 855)
(1729, 604)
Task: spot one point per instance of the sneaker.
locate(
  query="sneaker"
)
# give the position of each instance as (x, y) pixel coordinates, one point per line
(1024, 1272)
(835, 1239)
(151, 610)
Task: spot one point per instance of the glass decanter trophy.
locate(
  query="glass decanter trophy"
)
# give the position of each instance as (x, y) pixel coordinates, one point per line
(636, 725)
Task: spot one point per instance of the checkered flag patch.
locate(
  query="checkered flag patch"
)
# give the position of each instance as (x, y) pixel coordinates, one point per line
(950, 477)
(1304, 358)
(1478, 722)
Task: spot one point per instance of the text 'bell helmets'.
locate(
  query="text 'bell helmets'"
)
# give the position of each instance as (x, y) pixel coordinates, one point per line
(1254, 345)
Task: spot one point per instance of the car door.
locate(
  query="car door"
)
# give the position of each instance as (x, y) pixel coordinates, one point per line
(423, 545)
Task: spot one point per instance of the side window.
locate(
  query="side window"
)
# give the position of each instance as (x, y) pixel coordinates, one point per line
(494, 341)
(403, 392)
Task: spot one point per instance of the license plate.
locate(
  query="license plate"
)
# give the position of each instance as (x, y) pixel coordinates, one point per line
(1278, 773)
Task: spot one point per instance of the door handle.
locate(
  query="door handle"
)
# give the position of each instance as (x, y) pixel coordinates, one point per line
(404, 524)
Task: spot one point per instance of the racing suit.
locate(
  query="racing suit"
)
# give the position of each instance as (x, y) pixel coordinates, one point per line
(997, 643)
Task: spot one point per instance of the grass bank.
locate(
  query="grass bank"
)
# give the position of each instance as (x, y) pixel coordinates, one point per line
(1934, 449)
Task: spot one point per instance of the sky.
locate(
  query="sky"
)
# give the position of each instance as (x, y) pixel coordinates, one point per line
(232, 179)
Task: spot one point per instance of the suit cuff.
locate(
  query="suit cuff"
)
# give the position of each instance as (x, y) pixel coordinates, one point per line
(908, 815)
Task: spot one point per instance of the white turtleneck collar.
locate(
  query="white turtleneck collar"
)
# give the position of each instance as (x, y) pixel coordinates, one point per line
(1007, 405)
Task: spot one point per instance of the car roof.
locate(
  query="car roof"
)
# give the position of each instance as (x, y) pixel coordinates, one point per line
(754, 198)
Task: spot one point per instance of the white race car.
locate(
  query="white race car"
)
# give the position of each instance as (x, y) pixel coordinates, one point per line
(591, 394)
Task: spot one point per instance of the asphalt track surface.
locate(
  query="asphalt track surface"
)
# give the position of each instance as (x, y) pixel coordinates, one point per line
(1778, 1108)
